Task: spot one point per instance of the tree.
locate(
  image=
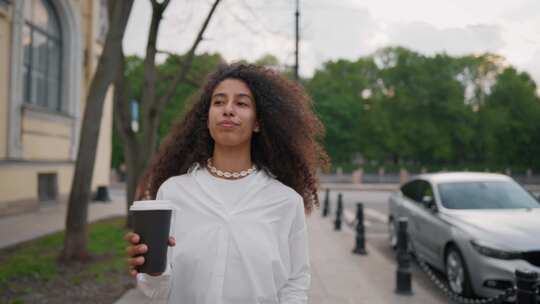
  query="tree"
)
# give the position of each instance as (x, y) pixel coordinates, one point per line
(134, 73)
(399, 107)
(75, 242)
(202, 65)
(337, 92)
(139, 148)
(511, 114)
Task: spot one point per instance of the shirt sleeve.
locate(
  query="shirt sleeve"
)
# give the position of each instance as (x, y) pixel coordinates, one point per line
(295, 291)
(157, 288)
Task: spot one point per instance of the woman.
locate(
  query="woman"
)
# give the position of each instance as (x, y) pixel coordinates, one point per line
(241, 166)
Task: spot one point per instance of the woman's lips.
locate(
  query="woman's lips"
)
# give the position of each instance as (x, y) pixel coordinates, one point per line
(227, 124)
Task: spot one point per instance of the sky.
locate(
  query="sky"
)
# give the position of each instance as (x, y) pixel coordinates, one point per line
(349, 29)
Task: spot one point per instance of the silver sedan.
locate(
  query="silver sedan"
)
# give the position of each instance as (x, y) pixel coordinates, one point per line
(477, 228)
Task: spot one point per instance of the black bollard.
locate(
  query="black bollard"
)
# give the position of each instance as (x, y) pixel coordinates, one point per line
(526, 283)
(403, 273)
(360, 246)
(339, 212)
(326, 204)
(102, 194)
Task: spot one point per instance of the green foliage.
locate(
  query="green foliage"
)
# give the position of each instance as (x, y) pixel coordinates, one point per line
(268, 60)
(37, 260)
(512, 120)
(400, 108)
(337, 90)
(117, 155)
(202, 65)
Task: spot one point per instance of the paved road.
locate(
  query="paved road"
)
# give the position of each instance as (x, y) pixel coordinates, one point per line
(375, 207)
(376, 214)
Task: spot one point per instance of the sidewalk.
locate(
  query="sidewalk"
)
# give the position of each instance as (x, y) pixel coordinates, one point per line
(338, 276)
(24, 227)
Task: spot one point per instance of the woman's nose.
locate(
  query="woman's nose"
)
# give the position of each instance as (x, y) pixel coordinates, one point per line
(229, 109)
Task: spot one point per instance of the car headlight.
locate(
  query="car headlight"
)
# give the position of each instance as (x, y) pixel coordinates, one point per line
(496, 253)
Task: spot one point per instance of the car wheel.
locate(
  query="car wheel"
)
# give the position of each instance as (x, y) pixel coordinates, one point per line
(457, 273)
(392, 234)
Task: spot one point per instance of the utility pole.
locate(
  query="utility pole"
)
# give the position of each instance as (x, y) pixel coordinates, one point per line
(297, 14)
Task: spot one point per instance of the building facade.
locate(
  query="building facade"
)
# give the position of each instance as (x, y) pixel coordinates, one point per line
(48, 53)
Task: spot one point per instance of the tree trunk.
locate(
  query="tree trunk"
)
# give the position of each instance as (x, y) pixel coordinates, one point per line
(131, 147)
(75, 242)
(132, 180)
(139, 154)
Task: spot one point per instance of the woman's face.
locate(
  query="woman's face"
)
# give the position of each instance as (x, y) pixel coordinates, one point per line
(232, 114)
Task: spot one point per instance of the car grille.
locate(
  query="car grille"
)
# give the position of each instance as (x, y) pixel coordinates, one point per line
(532, 257)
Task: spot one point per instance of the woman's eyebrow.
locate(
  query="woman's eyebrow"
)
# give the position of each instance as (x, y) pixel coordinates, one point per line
(245, 95)
(219, 95)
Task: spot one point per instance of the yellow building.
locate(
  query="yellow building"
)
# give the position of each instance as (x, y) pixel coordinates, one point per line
(48, 53)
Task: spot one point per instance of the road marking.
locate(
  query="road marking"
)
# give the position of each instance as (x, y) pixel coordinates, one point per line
(350, 218)
(376, 215)
(372, 213)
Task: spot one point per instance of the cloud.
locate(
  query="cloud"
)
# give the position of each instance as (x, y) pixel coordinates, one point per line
(429, 39)
(344, 29)
(340, 33)
(522, 10)
(533, 67)
(137, 28)
(336, 32)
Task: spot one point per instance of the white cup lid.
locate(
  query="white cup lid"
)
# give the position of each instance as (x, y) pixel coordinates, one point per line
(152, 205)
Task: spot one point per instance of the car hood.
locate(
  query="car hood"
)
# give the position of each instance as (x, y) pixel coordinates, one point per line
(511, 229)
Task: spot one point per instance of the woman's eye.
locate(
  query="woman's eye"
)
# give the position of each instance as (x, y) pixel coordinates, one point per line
(217, 102)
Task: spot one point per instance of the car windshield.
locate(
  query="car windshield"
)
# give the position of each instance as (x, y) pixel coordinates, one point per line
(485, 195)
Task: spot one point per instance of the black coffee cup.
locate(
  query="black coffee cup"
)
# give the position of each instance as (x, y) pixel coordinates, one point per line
(152, 222)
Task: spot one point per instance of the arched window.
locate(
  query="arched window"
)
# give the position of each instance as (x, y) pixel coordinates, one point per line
(42, 41)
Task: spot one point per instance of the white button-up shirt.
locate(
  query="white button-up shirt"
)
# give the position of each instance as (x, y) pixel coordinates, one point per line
(250, 250)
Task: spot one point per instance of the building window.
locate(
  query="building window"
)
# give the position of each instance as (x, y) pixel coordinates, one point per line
(42, 42)
(47, 187)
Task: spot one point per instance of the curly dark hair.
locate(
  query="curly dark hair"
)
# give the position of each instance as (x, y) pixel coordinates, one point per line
(287, 145)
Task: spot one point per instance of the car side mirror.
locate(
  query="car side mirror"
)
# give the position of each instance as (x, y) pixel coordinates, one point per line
(429, 202)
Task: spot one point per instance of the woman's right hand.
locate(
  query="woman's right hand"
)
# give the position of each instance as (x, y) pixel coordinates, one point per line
(136, 250)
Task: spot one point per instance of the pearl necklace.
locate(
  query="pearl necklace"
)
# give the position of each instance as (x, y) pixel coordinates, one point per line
(229, 175)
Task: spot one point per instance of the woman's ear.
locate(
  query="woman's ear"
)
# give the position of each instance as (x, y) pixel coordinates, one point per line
(257, 128)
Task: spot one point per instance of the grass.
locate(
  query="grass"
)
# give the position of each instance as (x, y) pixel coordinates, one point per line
(35, 262)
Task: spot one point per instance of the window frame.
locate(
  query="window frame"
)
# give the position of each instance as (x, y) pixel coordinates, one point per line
(417, 187)
(28, 97)
(410, 190)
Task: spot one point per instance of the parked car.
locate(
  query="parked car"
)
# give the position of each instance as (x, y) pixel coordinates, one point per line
(477, 228)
